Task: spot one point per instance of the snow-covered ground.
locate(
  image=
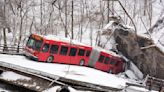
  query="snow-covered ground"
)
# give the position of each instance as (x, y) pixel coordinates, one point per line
(78, 73)
(4, 90)
(13, 76)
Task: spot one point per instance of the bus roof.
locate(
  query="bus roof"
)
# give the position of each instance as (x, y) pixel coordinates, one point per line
(63, 39)
(106, 51)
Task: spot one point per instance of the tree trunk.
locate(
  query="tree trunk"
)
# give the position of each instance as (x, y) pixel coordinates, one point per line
(145, 6)
(72, 22)
(66, 31)
(5, 48)
(108, 12)
(41, 16)
(20, 30)
(4, 29)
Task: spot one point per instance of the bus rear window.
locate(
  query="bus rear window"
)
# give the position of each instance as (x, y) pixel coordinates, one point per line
(54, 49)
(88, 53)
(63, 50)
(46, 47)
(81, 52)
(73, 52)
(101, 58)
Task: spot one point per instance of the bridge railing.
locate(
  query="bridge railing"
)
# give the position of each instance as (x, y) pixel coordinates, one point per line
(11, 49)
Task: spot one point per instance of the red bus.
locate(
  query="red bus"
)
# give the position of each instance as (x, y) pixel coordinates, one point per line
(106, 61)
(57, 50)
(53, 49)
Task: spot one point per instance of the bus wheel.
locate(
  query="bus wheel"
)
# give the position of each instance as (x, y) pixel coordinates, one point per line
(50, 59)
(82, 62)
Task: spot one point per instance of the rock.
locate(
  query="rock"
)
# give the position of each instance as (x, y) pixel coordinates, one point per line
(149, 60)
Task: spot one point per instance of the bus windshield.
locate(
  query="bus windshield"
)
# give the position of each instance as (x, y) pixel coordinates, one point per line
(34, 44)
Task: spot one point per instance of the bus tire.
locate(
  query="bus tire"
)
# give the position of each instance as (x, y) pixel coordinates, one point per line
(50, 59)
(82, 62)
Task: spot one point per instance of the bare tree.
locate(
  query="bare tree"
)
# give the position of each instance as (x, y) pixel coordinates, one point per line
(4, 29)
(66, 31)
(72, 34)
(22, 16)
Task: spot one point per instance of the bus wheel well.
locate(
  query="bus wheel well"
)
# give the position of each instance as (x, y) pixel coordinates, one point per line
(82, 62)
(50, 59)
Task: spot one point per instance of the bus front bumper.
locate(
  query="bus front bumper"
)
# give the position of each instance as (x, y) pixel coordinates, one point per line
(31, 56)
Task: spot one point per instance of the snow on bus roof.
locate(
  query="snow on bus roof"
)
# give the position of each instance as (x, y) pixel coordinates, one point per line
(63, 39)
(67, 40)
(107, 51)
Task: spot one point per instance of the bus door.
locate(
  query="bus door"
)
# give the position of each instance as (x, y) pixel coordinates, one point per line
(54, 50)
(73, 55)
(44, 53)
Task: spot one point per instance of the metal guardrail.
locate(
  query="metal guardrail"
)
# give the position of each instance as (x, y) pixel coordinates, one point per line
(11, 49)
(153, 83)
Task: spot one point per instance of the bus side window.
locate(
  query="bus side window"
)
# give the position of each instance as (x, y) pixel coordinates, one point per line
(107, 59)
(101, 58)
(88, 53)
(81, 52)
(113, 62)
(73, 52)
(63, 50)
(46, 47)
(54, 49)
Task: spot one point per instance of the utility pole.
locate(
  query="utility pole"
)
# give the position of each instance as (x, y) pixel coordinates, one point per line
(72, 22)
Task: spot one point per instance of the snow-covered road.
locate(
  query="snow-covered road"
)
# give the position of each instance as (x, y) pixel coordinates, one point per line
(77, 73)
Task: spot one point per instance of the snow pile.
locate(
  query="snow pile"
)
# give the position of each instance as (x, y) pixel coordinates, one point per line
(130, 74)
(136, 71)
(54, 89)
(3, 90)
(11, 76)
(137, 89)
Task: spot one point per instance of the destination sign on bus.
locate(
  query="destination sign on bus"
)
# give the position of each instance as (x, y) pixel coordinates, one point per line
(37, 37)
